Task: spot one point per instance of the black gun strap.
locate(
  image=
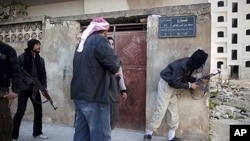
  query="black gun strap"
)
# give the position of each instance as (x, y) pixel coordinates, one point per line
(194, 98)
(34, 94)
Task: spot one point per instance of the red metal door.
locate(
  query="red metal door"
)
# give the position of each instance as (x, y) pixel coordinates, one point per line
(131, 49)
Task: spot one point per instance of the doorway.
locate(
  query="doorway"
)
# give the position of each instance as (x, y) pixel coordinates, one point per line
(131, 49)
(234, 72)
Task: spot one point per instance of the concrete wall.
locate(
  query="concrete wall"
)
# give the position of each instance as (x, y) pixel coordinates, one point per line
(194, 122)
(94, 6)
(58, 46)
(79, 7)
(58, 9)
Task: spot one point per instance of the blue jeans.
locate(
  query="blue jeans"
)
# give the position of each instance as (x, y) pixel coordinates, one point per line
(92, 121)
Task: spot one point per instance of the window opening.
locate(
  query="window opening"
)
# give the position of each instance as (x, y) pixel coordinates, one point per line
(235, 7)
(248, 32)
(220, 50)
(234, 39)
(247, 64)
(234, 23)
(220, 19)
(220, 34)
(248, 16)
(219, 64)
(234, 54)
(234, 72)
(248, 48)
(220, 4)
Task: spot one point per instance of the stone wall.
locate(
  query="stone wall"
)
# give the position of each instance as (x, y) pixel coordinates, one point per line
(58, 42)
(20, 32)
(58, 48)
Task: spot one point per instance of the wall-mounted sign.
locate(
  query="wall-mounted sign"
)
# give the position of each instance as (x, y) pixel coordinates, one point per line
(177, 26)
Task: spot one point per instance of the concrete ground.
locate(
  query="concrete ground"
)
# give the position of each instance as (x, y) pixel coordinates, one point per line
(219, 129)
(65, 133)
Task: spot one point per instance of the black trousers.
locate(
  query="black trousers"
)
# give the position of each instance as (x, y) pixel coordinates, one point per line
(5, 120)
(21, 108)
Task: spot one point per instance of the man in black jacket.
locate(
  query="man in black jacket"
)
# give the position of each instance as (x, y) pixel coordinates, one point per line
(177, 75)
(93, 84)
(34, 65)
(9, 74)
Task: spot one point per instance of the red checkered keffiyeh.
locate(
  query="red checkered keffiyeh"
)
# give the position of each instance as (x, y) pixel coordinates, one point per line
(96, 24)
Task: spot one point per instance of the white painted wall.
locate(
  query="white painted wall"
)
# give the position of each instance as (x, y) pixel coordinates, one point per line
(95, 6)
(58, 9)
(79, 7)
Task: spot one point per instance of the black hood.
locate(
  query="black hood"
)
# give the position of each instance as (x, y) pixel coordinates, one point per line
(199, 58)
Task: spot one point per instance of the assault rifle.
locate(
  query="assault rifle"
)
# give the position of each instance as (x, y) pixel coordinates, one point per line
(199, 81)
(38, 86)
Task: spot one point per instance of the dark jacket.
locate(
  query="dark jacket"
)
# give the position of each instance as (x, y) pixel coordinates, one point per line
(9, 69)
(93, 70)
(178, 73)
(25, 62)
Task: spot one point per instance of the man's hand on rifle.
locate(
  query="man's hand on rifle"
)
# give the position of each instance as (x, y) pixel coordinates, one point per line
(205, 81)
(43, 92)
(194, 86)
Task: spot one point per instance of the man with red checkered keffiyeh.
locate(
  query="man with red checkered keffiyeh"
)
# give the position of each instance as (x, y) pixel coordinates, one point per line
(94, 67)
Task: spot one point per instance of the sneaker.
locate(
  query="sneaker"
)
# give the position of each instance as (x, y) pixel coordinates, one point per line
(148, 137)
(175, 139)
(41, 136)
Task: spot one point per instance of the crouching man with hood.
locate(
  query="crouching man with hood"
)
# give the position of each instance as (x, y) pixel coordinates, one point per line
(177, 75)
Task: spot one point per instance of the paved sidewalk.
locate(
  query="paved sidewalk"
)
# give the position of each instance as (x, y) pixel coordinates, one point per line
(65, 133)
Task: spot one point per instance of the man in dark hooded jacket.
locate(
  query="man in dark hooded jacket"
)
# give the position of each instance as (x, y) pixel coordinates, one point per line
(177, 75)
(34, 65)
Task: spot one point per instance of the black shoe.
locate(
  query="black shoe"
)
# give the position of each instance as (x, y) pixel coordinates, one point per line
(148, 137)
(175, 139)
